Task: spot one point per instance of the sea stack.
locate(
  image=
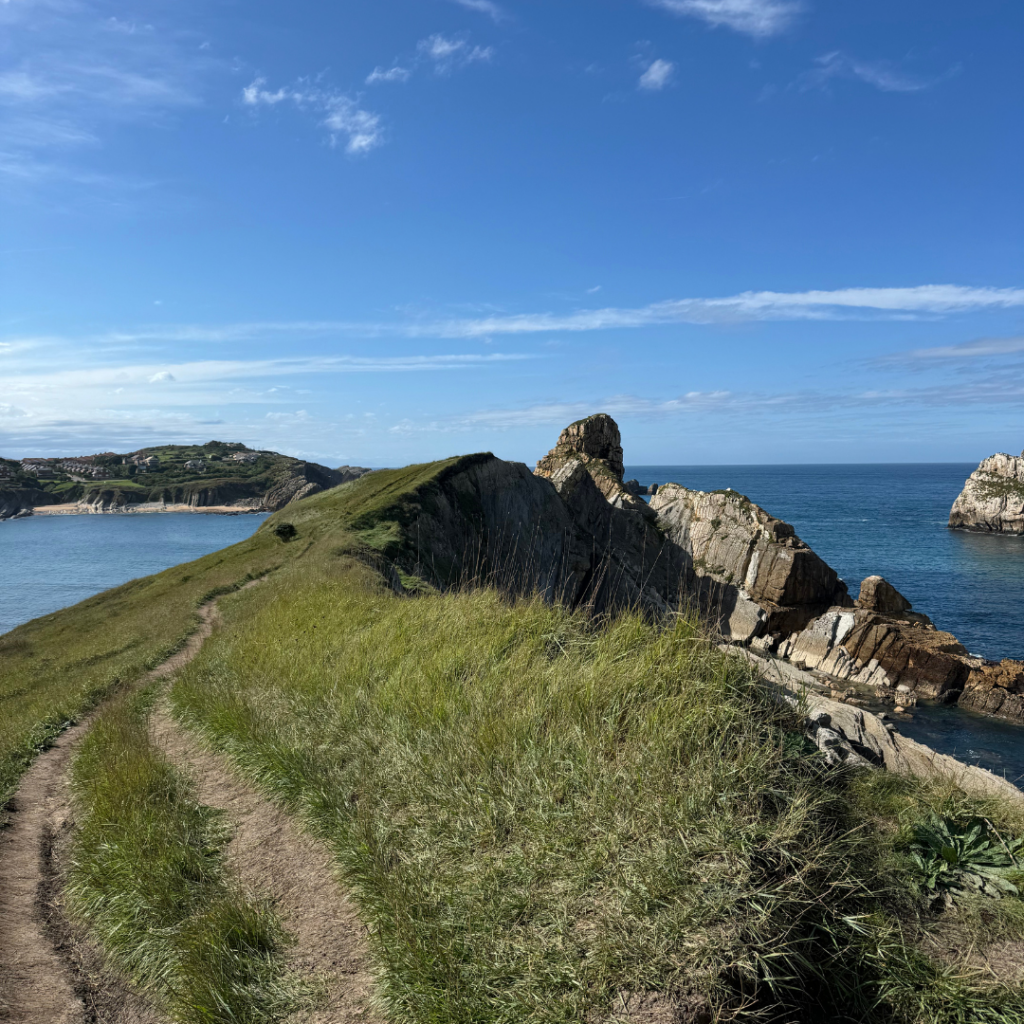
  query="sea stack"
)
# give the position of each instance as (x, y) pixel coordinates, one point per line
(992, 500)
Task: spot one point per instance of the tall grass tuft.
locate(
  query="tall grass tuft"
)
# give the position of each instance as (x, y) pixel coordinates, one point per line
(539, 813)
(148, 876)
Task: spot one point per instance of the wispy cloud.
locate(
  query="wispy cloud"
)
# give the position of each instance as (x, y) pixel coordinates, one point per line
(882, 75)
(970, 351)
(447, 53)
(72, 76)
(759, 18)
(392, 74)
(657, 76)
(492, 10)
(923, 301)
(341, 115)
(899, 303)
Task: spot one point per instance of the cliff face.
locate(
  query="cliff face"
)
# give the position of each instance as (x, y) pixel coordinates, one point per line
(483, 519)
(754, 566)
(992, 500)
(17, 500)
(299, 481)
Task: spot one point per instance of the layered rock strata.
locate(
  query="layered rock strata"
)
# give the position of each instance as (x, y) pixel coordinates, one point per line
(574, 531)
(992, 500)
(754, 571)
(483, 519)
(19, 501)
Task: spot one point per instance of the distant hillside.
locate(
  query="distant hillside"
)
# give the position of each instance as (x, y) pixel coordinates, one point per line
(216, 474)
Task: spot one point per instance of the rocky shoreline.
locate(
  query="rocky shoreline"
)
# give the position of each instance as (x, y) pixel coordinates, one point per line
(576, 532)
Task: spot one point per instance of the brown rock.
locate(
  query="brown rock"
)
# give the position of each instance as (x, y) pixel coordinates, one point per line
(595, 444)
(878, 595)
(992, 500)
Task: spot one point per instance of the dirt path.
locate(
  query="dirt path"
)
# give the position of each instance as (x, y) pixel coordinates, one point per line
(271, 855)
(50, 974)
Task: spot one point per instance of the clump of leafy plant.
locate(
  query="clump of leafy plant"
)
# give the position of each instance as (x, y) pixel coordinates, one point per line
(956, 857)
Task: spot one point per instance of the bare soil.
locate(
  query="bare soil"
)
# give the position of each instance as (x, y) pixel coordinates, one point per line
(51, 973)
(272, 857)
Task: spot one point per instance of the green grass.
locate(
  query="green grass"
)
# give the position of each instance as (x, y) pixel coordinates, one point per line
(148, 876)
(54, 668)
(537, 813)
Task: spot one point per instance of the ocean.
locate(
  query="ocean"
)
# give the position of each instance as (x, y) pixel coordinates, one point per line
(50, 562)
(888, 520)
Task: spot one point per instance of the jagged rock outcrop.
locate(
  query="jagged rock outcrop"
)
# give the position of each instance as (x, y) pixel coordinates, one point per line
(573, 531)
(992, 500)
(349, 473)
(852, 737)
(883, 643)
(752, 567)
(481, 518)
(595, 444)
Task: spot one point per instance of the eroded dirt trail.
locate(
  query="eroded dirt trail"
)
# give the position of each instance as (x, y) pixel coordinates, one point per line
(51, 974)
(272, 856)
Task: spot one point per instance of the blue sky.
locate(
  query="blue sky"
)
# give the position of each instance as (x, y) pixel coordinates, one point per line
(389, 231)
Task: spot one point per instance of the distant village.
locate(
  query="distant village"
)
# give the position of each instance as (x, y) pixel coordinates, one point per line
(108, 466)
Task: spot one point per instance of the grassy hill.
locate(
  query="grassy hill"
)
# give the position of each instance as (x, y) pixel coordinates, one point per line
(216, 473)
(541, 815)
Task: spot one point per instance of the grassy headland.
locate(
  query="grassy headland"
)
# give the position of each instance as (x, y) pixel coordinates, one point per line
(541, 816)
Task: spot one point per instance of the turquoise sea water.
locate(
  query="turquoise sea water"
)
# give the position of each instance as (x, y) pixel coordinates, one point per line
(49, 562)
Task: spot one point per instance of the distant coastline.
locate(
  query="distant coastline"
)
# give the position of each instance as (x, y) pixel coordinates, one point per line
(147, 508)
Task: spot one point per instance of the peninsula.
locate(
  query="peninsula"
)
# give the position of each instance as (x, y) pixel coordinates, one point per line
(464, 741)
(215, 477)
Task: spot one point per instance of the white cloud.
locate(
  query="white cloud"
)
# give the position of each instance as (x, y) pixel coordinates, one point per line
(341, 115)
(163, 377)
(492, 10)
(923, 301)
(395, 74)
(752, 17)
(657, 75)
(880, 74)
(449, 53)
(888, 303)
(983, 348)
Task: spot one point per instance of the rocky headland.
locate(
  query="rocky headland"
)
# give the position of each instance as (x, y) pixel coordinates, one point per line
(992, 500)
(573, 530)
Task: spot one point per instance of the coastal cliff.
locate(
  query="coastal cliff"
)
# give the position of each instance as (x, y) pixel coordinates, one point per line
(761, 585)
(572, 531)
(992, 500)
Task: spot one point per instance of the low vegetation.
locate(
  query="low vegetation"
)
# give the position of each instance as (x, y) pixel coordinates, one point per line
(54, 668)
(543, 818)
(540, 816)
(148, 875)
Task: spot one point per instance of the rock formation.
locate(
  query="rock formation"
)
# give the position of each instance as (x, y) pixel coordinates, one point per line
(574, 531)
(992, 500)
(595, 445)
(18, 501)
(752, 567)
